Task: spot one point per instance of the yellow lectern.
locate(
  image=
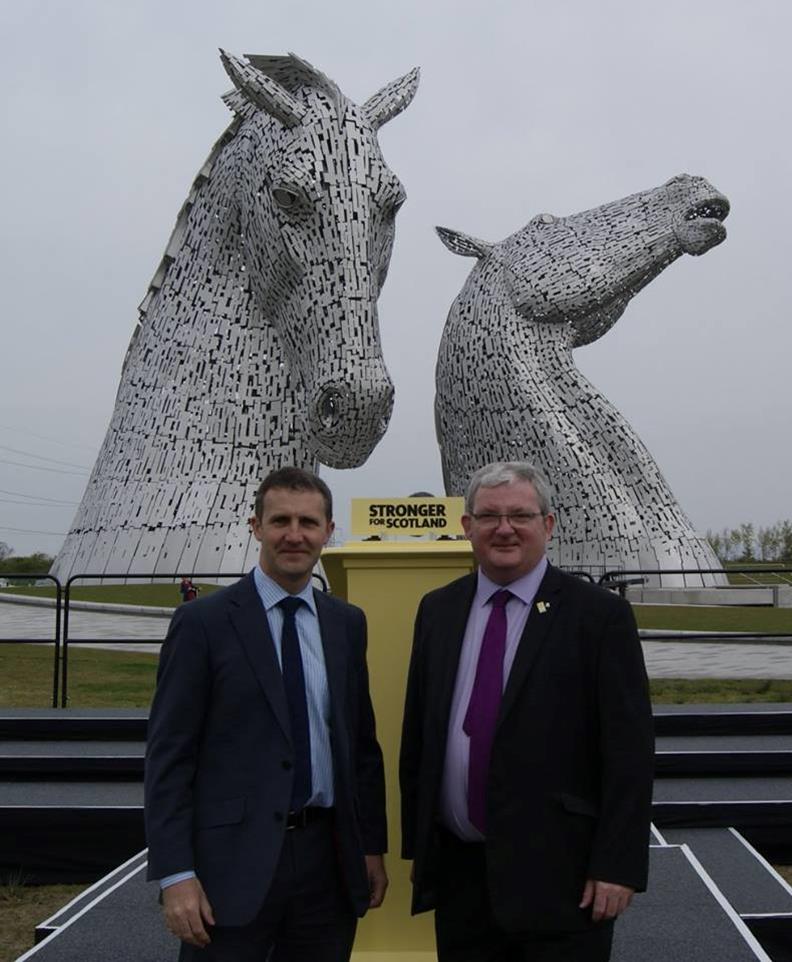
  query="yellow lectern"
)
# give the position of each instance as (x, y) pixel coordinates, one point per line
(387, 580)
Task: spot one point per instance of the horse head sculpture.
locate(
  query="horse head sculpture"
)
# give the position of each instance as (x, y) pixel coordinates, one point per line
(317, 210)
(583, 269)
(257, 344)
(507, 387)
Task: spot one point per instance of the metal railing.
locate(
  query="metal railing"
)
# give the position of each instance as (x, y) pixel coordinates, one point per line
(618, 574)
(618, 580)
(56, 638)
(622, 579)
(121, 579)
(61, 638)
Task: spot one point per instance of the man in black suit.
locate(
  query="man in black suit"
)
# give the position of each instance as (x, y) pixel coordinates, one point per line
(527, 747)
(265, 794)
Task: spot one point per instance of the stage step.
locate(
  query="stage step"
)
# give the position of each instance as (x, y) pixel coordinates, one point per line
(749, 882)
(120, 724)
(683, 917)
(69, 831)
(761, 808)
(686, 755)
(704, 802)
(748, 719)
(72, 759)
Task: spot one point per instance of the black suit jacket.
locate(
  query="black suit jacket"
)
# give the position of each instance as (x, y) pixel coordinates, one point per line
(570, 780)
(219, 760)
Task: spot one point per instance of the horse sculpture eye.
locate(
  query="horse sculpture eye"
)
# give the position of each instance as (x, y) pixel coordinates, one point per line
(284, 198)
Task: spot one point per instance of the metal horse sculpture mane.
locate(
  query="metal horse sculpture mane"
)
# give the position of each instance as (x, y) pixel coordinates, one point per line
(258, 342)
(508, 388)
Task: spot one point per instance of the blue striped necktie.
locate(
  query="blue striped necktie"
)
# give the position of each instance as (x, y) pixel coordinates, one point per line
(294, 684)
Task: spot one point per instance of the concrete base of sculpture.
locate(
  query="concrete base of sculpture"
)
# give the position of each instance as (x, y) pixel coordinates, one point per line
(775, 596)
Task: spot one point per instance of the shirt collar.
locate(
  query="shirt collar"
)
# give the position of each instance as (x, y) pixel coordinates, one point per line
(524, 588)
(271, 592)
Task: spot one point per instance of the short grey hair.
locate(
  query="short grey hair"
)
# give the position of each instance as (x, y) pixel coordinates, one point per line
(507, 472)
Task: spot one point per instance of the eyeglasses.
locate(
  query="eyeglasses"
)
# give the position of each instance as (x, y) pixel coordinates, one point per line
(518, 519)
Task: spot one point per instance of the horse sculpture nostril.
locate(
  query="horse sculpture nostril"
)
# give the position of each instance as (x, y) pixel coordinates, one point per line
(329, 407)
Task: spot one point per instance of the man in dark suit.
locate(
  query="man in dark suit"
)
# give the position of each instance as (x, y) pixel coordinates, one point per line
(265, 794)
(527, 747)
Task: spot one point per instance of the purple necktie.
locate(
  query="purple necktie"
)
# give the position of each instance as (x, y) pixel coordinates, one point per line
(483, 708)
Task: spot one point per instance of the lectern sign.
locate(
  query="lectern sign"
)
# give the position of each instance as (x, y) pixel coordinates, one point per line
(434, 516)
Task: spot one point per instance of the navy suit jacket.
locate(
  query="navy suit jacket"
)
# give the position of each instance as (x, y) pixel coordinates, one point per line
(219, 759)
(570, 781)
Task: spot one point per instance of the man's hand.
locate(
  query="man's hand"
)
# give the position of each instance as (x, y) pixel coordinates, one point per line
(187, 911)
(378, 879)
(607, 900)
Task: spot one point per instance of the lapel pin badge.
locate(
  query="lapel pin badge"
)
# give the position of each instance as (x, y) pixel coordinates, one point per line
(543, 606)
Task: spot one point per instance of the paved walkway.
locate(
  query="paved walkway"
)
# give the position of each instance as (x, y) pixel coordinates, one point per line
(678, 659)
(664, 659)
(21, 621)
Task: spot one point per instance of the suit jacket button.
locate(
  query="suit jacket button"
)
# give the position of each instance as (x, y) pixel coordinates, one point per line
(286, 765)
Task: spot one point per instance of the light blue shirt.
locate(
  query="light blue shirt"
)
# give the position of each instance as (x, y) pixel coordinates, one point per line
(316, 688)
(453, 797)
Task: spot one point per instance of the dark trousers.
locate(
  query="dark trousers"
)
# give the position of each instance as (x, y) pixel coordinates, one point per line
(466, 930)
(306, 917)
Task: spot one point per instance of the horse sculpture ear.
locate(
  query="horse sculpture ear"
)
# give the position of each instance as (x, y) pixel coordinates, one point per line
(392, 99)
(463, 244)
(259, 89)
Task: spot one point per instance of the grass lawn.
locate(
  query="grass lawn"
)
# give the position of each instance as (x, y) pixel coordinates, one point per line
(22, 908)
(684, 691)
(716, 618)
(162, 595)
(97, 678)
(120, 679)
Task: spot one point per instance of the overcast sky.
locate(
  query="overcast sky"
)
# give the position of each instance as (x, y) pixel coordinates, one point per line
(525, 106)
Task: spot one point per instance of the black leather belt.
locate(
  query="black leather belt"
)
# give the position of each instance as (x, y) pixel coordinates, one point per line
(307, 817)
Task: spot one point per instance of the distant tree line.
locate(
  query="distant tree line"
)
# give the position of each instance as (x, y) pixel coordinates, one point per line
(749, 543)
(37, 563)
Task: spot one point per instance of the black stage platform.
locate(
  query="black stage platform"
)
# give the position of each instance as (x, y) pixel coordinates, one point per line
(71, 809)
(683, 917)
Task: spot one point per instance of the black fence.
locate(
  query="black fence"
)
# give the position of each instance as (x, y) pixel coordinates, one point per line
(55, 638)
(60, 637)
(617, 580)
